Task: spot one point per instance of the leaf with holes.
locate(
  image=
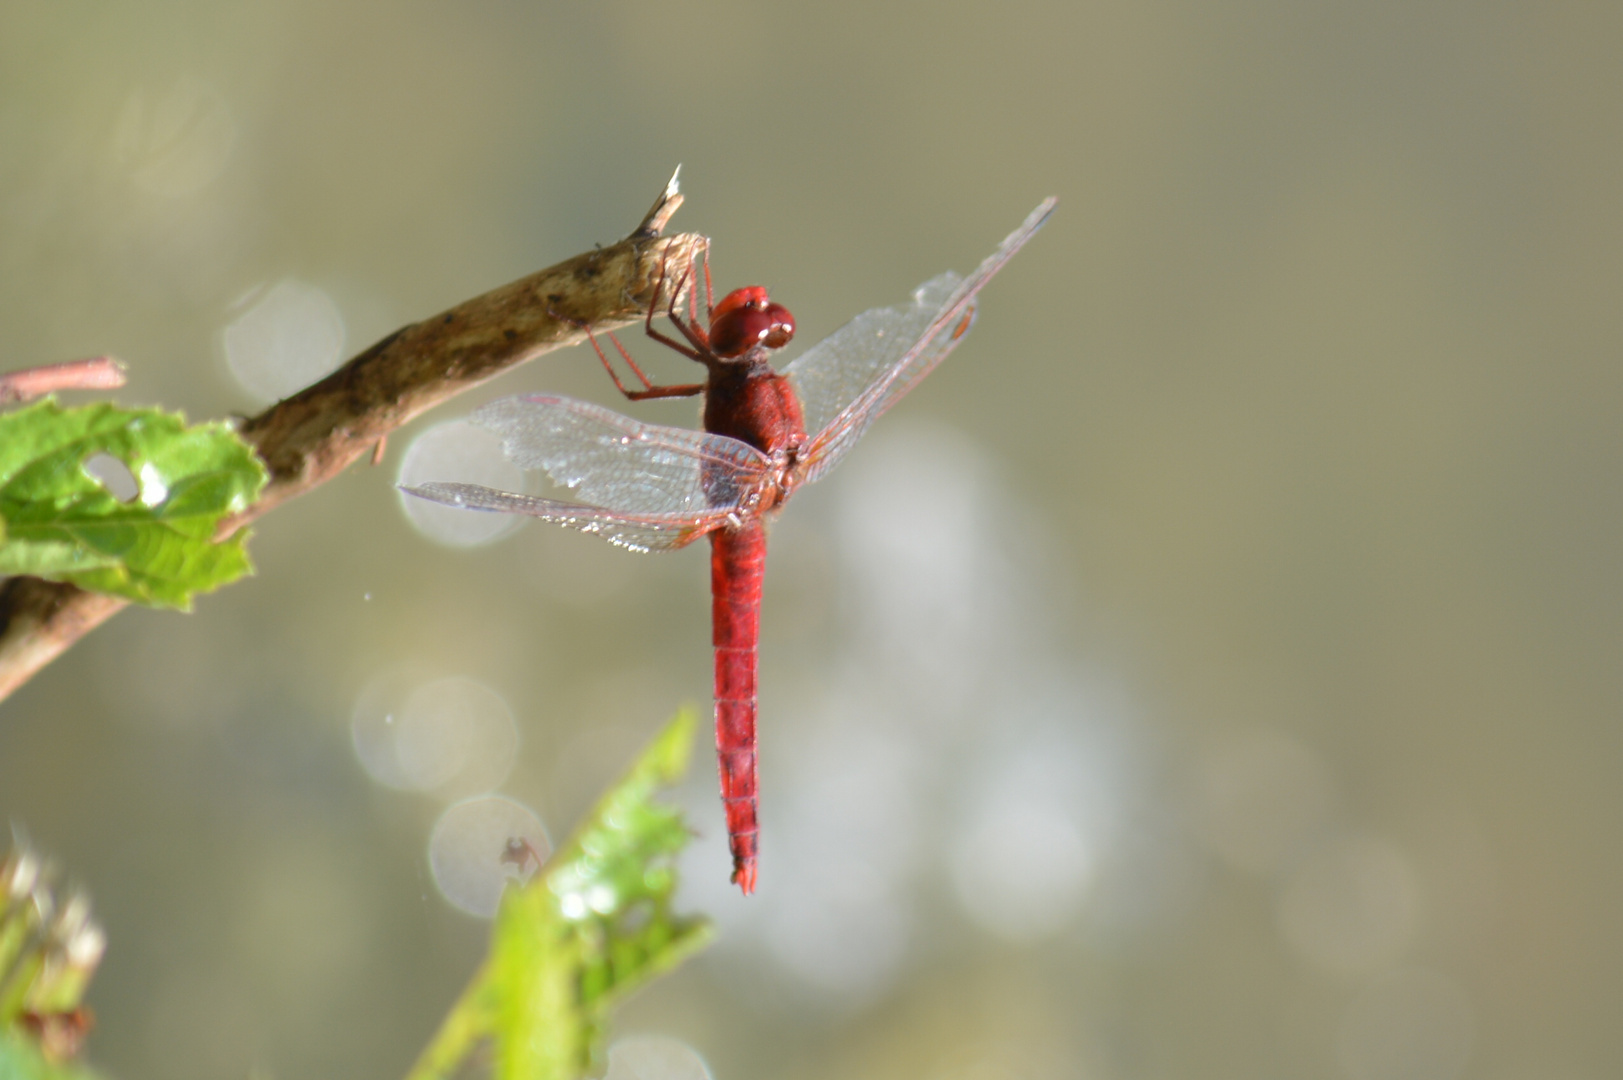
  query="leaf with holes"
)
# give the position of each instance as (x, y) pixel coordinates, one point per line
(156, 546)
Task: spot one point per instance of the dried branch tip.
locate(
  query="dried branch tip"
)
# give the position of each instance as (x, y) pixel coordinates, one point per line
(95, 373)
(667, 204)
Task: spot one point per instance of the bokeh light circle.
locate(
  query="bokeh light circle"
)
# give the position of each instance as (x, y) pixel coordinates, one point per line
(455, 737)
(1410, 1024)
(458, 452)
(175, 143)
(1022, 870)
(372, 726)
(654, 1057)
(845, 934)
(466, 848)
(1260, 800)
(1351, 906)
(291, 336)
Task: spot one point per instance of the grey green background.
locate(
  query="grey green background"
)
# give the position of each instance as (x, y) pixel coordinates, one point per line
(1298, 427)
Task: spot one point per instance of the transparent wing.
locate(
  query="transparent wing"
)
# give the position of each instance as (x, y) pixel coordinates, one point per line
(848, 380)
(620, 466)
(638, 532)
(656, 488)
(833, 373)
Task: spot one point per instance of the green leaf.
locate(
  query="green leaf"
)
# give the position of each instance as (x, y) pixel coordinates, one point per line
(57, 521)
(593, 924)
(49, 949)
(21, 1060)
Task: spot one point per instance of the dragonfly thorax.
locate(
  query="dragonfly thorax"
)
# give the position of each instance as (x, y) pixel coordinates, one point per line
(753, 404)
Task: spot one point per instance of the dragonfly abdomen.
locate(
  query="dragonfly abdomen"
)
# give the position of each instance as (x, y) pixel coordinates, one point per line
(737, 564)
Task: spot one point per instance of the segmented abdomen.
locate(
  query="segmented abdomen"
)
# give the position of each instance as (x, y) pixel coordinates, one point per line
(737, 562)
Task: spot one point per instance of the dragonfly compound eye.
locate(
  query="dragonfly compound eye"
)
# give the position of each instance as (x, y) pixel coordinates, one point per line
(744, 319)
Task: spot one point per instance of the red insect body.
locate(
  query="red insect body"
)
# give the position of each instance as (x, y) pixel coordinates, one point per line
(737, 566)
(745, 400)
(745, 296)
(664, 487)
(746, 318)
(753, 404)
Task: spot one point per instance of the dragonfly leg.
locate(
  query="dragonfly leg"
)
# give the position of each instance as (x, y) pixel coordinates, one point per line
(649, 390)
(709, 298)
(653, 309)
(709, 293)
(695, 334)
(709, 290)
(655, 392)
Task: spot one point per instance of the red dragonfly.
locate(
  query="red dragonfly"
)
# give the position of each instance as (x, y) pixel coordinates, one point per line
(652, 488)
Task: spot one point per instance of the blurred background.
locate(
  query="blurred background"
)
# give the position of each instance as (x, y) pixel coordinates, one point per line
(1212, 670)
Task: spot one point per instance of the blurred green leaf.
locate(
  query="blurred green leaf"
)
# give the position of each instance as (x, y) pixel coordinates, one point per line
(21, 1060)
(593, 924)
(49, 949)
(57, 521)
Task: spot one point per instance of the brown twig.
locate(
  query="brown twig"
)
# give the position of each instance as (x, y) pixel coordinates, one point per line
(310, 437)
(96, 373)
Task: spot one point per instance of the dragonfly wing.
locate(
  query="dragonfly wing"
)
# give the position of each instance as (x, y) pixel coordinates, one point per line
(834, 372)
(638, 532)
(858, 377)
(622, 466)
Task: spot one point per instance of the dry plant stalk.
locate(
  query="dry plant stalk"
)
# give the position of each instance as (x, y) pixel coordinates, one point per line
(312, 436)
(96, 373)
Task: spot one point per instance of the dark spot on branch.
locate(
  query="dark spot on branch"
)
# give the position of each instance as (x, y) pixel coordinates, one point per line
(385, 342)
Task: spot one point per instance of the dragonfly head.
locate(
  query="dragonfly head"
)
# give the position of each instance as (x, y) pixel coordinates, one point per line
(746, 318)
